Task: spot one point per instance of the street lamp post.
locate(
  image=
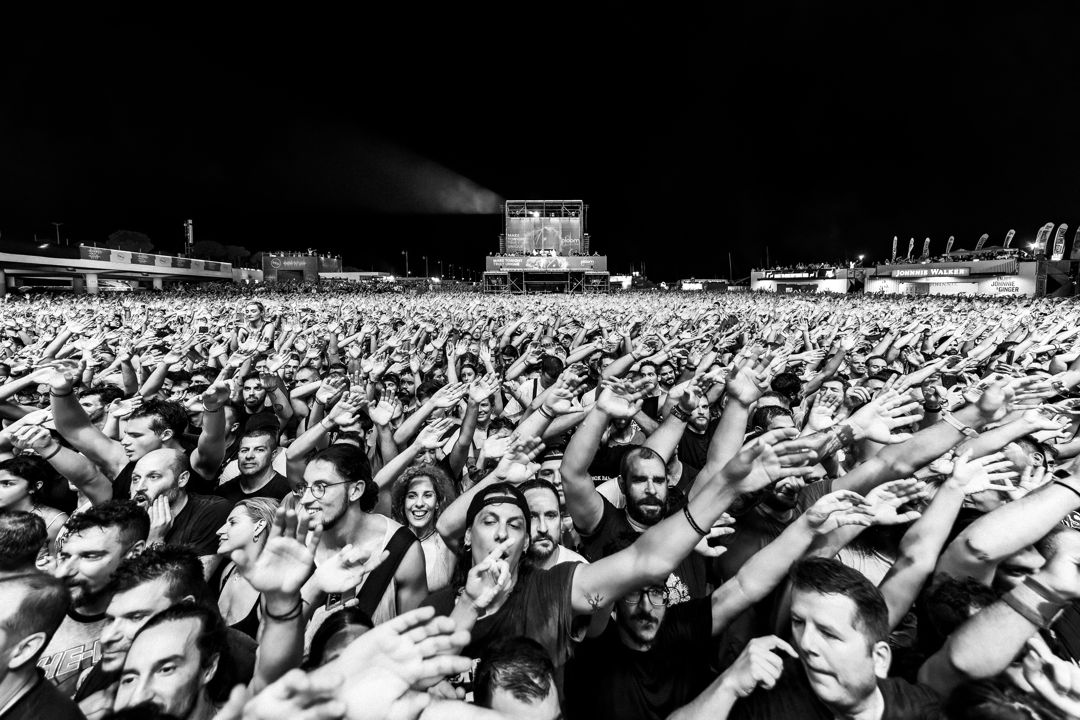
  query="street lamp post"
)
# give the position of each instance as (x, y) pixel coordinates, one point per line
(440, 268)
(426, 273)
(406, 254)
(57, 233)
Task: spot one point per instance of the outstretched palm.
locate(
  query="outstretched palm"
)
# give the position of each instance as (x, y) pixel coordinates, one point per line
(287, 560)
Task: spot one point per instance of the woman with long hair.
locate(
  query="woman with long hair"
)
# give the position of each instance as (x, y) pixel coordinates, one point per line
(23, 481)
(247, 526)
(417, 498)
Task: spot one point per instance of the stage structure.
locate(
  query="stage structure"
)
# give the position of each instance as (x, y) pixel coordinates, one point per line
(544, 247)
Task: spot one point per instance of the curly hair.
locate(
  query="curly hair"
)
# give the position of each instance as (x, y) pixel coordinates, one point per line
(444, 489)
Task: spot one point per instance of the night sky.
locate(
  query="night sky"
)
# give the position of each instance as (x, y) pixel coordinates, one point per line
(819, 130)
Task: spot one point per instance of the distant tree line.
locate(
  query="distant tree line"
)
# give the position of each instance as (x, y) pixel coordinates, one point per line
(134, 241)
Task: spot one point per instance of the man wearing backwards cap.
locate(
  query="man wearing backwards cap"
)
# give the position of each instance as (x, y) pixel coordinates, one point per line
(504, 597)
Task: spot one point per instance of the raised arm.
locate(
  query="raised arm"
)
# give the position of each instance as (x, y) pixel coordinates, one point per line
(73, 424)
(585, 504)
(995, 536)
(207, 457)
(986, 643)
(768, 567)
(654, 555)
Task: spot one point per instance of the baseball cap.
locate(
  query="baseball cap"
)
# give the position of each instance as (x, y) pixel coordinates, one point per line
(498, 494)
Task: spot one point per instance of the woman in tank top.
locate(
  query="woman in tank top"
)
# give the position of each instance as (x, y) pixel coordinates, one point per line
(22, 479)
(418, 497)
(246, 528)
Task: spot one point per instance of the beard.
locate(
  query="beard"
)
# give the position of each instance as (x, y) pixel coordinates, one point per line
(641, 626)
(646, 512)
(82, 595)
(539, 553)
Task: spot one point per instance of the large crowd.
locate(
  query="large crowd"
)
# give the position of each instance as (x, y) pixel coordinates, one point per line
(267, 504)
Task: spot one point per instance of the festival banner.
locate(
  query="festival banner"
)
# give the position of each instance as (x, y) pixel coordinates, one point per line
(197, 264)
(910, 247)
(1075, 253)
(1042, 238)
(926, 248)
(948, 245)
(893, 256)
(1059, 242)
(178, 262)
(95, 253)
(1009, 237)
(163, 261)
(139, 258)
(982, 241)
(122, 256)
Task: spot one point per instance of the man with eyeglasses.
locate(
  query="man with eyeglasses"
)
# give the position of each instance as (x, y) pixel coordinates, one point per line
(339, 493)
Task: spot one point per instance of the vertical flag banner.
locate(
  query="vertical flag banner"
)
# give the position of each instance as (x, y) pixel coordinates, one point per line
(926, 248)
(1043, 237)
(948, 245)
(982, 241)
(910, 247)
(893, 256)
(1059, 242)
(1075, 253)
(1009, 237)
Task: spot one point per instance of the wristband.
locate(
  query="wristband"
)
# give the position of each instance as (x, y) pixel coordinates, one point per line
(690, 519)
(46, 457)
(56, 394)
(841, 437)
(546, 413)
(681, 414)
(293, 614)
(1035, 602)
(324, 425)
(320, 402)
(965, 430)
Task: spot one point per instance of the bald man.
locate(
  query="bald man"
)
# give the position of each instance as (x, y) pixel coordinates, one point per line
(178, 517)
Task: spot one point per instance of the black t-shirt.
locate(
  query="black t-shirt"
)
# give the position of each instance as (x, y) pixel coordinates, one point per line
(606, 679)
(277, 488)
(793, 698)
(43, 702)
(614, 533)
(196, 525)
(539, 607)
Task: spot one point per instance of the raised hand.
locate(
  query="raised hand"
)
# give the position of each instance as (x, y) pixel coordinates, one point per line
(284, 563)
(388, 669)
(431, 435)
(886, 500)
(121, 409)
(720, 528)
(382, 413)
(449, 395)
(745, 385)
(771, 457)
(990, 472)
(878, 418)
(346, 569)
(837, 509)
(331, 389)
(483, 387)
(344, 413)
(622, 399)
(823, 415)
(514, 464)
